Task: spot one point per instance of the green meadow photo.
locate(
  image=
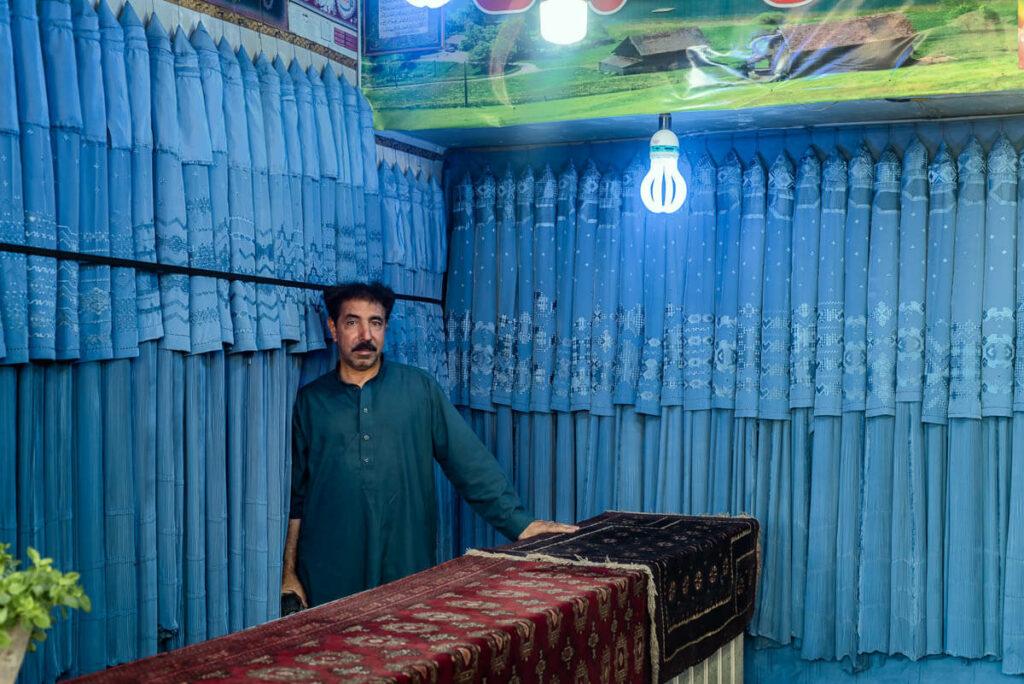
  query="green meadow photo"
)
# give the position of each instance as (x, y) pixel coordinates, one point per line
(657, 55)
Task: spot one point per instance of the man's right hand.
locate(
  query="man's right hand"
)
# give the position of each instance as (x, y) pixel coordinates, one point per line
(290, 584)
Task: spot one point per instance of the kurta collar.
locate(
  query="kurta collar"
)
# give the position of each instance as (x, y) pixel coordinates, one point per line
(379, 376)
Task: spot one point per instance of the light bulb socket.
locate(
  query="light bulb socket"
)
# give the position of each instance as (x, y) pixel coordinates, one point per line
(664, 121)
(664, 144)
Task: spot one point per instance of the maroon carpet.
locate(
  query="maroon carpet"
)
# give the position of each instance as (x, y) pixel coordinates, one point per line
(705, 572)
(472, 619)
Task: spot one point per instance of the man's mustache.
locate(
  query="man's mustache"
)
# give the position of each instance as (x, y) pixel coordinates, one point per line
(364, 346)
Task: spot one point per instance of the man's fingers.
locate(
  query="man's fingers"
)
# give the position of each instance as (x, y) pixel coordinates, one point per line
(292, 585)
(547, 527)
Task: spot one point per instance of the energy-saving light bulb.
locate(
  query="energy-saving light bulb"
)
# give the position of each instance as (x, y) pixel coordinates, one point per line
(663, 189)
(563, 22)
(428, 4)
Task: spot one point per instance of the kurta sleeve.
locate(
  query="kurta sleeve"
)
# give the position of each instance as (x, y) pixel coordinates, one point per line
(300, 459)
(473, 470)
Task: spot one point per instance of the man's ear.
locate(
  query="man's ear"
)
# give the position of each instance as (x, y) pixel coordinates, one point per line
(333, 329)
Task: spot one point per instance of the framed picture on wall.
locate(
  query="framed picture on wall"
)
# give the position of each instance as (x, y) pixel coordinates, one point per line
(344, 12)
(331, 23)
(395, 26)
(273, 12)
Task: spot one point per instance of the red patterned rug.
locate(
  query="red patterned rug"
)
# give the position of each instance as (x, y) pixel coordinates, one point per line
(704, 570)
(469, 620)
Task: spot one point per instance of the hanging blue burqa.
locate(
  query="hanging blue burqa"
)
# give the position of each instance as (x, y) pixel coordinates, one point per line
(66, 123)
(459, 297)
(535, 429)
(748, 332)
(14, 325)
(563, 471)
(629, 341)
(997, 352)
(213, 101)
(287, 247)
(965, 552)
(773, 617)
(942, 220)
(295, 233)
(169, 193)
(216, 466)
(268, 314)
(1013, 605)
(118, 124)
(419, 238)
(599, 493)
(391, 227)
(328, 157)
(37, 178)
(196, 160)
(876, 515)
(94, 286)
(95, 329)
(353, 137)
(309, 168)
(368, 145)
(150, 320)
(728, 204)
(345, 242)
(819, 619)
(119, 484)
(543, 298)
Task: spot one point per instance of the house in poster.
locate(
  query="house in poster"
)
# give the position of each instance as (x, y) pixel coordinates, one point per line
(878, 41)
(657, 52)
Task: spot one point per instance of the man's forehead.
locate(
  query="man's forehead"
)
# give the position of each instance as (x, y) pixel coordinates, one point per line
(361, 307)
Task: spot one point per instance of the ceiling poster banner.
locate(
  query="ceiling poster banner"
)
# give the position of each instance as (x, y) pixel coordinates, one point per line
(484, 62)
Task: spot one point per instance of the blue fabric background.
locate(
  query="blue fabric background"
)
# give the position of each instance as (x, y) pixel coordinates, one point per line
(824, 336)
(154, 458)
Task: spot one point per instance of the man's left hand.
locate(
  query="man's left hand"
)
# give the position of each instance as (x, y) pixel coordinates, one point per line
(546, 527)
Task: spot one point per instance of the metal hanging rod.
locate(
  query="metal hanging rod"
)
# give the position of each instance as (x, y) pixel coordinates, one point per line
(171, 269)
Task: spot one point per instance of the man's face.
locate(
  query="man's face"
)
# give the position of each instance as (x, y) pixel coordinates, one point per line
(359, 333)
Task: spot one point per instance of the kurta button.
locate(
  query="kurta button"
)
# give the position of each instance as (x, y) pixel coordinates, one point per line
(366, 438)
(366, 410)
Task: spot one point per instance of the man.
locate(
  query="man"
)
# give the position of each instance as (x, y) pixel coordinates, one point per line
(364, 438)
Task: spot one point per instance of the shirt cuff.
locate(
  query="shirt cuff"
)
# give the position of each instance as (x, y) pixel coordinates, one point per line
(517, 522)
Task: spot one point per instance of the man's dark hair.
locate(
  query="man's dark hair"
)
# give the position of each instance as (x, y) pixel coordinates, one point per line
(375, 292)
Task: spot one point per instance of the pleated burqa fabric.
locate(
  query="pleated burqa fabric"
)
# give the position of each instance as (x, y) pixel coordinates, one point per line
(152, 457)
(907, 631)
(95, 326)
(268, 314)
(627, 474)
(13, 267)
(748, 332)
(36, 178)
(820, 616)
(828, 344)
(728, 231)
(882, 301)
(66, 125)
(1013, 606)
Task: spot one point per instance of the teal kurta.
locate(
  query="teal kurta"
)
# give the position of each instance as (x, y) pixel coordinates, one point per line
(363, 479)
